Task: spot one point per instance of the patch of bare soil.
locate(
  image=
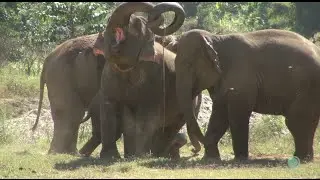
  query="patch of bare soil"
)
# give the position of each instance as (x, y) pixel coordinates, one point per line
(23, 113)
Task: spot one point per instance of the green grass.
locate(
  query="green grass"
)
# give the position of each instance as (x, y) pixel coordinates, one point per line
(14, 82)
(31, 161)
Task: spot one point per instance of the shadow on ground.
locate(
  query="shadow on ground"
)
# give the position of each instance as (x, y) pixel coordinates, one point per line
(85, 162)
(184, 163)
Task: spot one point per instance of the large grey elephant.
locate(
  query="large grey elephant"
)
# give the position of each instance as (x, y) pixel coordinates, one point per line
(267, 71)
(94, 113)
(72, 74)
(139, 79)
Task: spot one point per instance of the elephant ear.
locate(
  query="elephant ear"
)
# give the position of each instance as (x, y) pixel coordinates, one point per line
(212, 53)
(99, 45)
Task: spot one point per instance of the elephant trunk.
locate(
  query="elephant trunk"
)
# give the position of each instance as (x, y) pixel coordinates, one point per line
(185, 100)
(192, 137)
(160, 8)
(121, 15)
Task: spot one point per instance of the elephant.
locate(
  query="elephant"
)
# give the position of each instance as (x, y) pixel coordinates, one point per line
(94, 112)
(72, 74)
(139, 79)
(266, 71)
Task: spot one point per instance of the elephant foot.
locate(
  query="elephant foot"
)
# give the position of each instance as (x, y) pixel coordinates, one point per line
(53, 151)
(305, 158)
(175, 154)
(241, 159)
(110, 155)
(211, 156)
(211, 159)
(211, 153)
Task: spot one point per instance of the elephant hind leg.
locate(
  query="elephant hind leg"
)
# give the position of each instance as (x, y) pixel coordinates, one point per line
(66, 127)
(67, 111)
(302, 121)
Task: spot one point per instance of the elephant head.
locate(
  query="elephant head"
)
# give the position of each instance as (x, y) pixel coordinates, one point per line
(129, 38)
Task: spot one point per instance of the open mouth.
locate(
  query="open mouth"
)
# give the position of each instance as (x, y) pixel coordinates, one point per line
(123, 66)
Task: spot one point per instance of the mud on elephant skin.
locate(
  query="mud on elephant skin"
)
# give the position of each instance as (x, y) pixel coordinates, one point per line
(72, 74)
(267, 71)
(135, 67)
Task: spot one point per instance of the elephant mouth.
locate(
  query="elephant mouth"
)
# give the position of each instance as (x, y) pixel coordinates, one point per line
(122, 67)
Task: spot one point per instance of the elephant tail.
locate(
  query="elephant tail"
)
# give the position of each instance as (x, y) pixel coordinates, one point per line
(42, 82)
(193, 137)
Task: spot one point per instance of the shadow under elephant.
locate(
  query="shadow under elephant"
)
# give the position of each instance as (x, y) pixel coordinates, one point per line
(182, 163)
(85, 162)
(185, 163)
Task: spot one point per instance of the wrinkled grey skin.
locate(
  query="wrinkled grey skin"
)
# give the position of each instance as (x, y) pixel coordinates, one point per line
(135, 67)
(268, 71)
(72, 74)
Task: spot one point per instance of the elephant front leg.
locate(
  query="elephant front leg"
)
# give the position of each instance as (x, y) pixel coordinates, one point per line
(109, 122)
(239, 114)
(129, 139)
(218, 125)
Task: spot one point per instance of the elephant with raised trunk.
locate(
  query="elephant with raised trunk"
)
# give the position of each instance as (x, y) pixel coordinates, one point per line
(267, 71)
(139, 79)
(94, 113)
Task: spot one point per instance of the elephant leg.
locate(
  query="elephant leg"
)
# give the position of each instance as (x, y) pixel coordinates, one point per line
(302, 121)
(95, 140)
(239, 112)
(179, 140)
(168, 141)
(140, 129)
(128, 133)
(217, 127)
(109, 123)
(67, 111)
(65, 133)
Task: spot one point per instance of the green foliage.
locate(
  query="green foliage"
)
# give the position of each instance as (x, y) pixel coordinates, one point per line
(14, 82)
(228, 17)
(30, 30)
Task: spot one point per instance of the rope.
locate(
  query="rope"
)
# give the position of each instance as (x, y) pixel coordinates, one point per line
(164, 84)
